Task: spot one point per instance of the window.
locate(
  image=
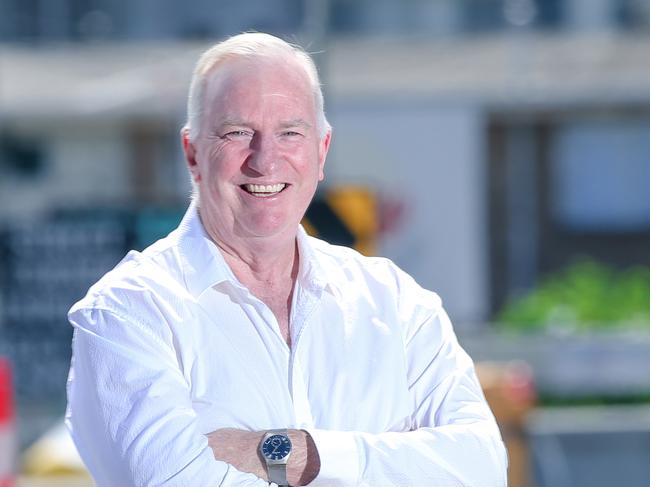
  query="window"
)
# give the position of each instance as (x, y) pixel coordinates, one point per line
(20, 155)
(600, 177)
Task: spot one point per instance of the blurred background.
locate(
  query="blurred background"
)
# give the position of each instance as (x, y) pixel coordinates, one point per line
(497, 150)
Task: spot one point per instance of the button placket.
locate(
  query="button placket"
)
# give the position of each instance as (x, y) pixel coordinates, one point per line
(304, 306)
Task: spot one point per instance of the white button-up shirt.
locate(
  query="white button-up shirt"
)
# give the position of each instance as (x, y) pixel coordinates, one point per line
(170, 346)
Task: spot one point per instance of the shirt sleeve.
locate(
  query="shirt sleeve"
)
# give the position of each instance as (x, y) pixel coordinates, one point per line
(453, 438)
(129, 409)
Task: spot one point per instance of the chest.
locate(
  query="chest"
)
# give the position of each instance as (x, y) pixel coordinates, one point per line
(344, 362)
(277, 298)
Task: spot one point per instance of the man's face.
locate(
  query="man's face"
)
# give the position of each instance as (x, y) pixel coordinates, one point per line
(258, 157)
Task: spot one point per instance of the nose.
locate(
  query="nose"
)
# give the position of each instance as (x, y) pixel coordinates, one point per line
(263, 158)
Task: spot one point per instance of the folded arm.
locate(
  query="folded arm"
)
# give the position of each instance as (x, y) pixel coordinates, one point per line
(239, 448)
(129, 409)
(453, 438)
(450, 437)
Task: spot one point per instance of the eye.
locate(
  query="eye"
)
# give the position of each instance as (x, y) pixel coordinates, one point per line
(291, 133)
(238, 134)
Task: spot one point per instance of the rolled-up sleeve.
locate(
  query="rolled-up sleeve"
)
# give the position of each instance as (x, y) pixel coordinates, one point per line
(129, 408)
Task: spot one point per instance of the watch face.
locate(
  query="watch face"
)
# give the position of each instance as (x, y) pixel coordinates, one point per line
(276, 447)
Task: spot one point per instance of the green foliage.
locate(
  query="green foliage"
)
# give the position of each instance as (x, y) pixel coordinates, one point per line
(586, 295)
(553, 400)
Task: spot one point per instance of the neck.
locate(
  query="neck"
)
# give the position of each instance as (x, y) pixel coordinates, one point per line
(270, 274)
(258, 259)
(267, 267)
(260, 262)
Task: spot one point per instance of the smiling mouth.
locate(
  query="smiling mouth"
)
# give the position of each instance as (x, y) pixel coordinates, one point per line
(263, 190)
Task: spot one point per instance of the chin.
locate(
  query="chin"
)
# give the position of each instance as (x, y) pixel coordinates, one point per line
(269, 228)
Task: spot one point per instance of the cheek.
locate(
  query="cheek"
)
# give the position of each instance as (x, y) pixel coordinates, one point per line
(306, 161)
(222, 164)
(318, 167)
(311, 177)
(215, 151)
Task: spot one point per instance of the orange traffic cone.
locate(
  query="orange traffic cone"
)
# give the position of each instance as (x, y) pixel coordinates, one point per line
(8, 444)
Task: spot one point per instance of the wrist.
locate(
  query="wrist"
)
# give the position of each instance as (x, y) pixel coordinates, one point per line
(304, 463)
(238, 448)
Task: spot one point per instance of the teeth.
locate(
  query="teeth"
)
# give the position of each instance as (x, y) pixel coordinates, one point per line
(267, 189)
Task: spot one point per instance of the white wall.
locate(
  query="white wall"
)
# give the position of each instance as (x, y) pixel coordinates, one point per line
(91, 166)
(431, 157)
(84, 165)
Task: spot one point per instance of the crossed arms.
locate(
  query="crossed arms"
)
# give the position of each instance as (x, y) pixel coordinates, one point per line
(134, 423)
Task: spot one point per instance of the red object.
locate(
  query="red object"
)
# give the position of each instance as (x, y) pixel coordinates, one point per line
(6, 392)
(7, 426)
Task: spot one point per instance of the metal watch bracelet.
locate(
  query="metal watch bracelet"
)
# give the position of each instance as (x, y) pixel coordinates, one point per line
(277, 471)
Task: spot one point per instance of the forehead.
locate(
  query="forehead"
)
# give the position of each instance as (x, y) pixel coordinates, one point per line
(245, 84)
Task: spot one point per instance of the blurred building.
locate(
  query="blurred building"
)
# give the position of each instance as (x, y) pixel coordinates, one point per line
(513, 134)
(502, 139)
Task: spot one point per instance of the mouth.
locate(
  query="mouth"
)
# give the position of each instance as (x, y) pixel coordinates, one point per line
(264, 190)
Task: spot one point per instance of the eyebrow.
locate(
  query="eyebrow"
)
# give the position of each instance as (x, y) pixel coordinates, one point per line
(296, 122)
(238, 122)
(231, 122)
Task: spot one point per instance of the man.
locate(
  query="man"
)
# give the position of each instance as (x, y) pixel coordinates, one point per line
(238, 350)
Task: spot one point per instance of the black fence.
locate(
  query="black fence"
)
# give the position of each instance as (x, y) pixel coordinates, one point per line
(45, 267)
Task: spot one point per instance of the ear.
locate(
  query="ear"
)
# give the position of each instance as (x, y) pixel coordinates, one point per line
(190, 154)
(323, 149)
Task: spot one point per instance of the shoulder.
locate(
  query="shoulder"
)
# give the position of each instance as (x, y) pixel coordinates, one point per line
(140, 282)
(376, 286)
(340, 259)
(344, 266)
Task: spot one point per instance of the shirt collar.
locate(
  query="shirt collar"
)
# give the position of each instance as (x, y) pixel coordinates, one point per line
(203, 263)
(311, 273)
(205, 267)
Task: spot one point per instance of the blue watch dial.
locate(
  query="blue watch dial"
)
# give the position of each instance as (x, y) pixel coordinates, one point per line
(276, 447)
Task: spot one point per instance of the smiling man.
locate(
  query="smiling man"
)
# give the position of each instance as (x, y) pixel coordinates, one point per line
(239, 351)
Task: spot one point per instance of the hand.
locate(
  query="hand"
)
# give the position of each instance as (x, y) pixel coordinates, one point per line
(240, 449)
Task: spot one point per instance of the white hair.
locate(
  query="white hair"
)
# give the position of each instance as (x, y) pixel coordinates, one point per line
(248, 45)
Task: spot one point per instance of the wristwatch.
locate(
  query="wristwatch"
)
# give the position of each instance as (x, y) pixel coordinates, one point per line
(275, 448)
